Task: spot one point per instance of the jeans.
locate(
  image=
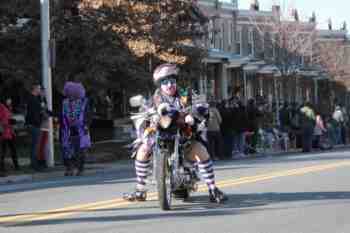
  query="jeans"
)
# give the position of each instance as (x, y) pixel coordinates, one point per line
(8, 143)
(307, 138)
(215, 144)
(238, 142)
(331, 134)
(35, 133)
(343, 134)
(228, 144)
(338, 136)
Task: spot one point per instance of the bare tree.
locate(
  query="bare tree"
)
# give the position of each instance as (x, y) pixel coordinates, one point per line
(331, 56)
(288, 43)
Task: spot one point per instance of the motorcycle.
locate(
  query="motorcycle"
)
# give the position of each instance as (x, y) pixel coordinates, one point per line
(172, 132)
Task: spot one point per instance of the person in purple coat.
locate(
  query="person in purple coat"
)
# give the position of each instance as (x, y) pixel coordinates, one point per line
(74, 128)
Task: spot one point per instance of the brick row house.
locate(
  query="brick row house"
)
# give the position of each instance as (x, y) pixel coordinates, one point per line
(252, 49)
(219, 41)
(333, 86)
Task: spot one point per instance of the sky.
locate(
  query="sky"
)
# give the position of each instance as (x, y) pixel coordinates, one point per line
(337, 10)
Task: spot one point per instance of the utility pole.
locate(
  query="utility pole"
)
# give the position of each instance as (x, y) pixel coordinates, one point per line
(46, 72)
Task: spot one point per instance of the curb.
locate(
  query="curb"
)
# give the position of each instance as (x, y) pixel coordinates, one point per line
(15, 179)
(91, 169)
(109, 168)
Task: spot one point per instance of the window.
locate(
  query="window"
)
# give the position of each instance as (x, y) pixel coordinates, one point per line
(238, 41)
(230, 36)
(274, 46)
(211, 34)
(222, 36)
(250, 42)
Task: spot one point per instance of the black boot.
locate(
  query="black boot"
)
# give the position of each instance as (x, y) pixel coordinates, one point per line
(81, 164)
(3, 172)
(135, 196)
(217, 196)
(15, 163)
(69, 168)
(2, 168)
(42, 164)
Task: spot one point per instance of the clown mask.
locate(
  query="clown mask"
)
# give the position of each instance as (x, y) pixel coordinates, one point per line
(168, 86)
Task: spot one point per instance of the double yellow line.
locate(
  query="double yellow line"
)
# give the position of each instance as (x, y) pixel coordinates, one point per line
(118, 202)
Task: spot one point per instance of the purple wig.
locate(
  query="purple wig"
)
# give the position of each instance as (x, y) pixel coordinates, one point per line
(74, 90)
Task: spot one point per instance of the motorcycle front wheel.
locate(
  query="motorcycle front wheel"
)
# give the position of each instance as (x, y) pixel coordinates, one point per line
(163, 177)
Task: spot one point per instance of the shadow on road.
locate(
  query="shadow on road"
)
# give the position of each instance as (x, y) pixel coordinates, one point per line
(198, 206)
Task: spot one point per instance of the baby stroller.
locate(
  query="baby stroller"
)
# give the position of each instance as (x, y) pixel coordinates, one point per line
(249, 147)
(272, 140)
(325, 142)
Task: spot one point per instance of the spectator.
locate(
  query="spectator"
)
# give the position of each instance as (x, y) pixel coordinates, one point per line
(74, 128)
(226, 126)
(318, 131)
(331, 130)
(344, 125)
(42, 148)
(285, 118)
(8, 135)
(34, 120)
(307, 118)
(338, 116)
(214, 132)
(238, 127)
(253, 115)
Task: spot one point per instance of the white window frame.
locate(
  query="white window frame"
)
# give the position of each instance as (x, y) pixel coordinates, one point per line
(211, 34)
(239, 34)
(229, 34)
(222, 36)
(251, 41)
(273, 39)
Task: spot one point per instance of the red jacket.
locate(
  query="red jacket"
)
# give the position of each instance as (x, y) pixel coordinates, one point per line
(5, 116)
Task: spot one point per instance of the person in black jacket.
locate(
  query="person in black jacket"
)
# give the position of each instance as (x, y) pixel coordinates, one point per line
(238, 122)
(226, 127)
(33, 120)
(253, 115)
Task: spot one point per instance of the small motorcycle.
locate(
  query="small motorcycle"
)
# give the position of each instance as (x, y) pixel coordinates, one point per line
(172, 133)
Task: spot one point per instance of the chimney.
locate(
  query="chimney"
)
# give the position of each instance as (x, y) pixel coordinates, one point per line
(276, 11)
(313, 18)
(254, 5)
(330, 24)
(344, 26)
(295, 14)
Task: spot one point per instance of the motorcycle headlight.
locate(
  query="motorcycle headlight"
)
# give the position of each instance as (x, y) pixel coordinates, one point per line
(163, 108)
(165, 122)
(189, 120)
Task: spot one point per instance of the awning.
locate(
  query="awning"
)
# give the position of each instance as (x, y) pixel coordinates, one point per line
(253, 66)
(237, 61)
(218, 56)
(309, 73)
(268, 69)
(212, 60)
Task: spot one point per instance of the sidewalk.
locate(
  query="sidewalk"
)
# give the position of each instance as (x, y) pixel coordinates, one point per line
(95, 168)
(58, 172)
(105, 157)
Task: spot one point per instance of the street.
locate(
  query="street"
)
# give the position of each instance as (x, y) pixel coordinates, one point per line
(299, 193)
